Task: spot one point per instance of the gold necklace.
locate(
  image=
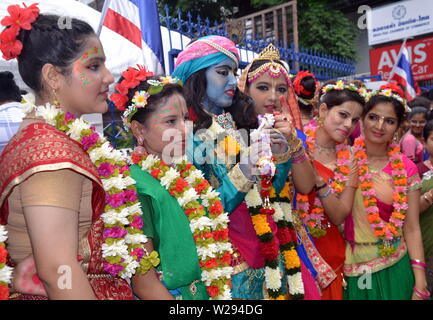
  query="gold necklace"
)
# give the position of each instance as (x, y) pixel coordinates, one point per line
(324, 149)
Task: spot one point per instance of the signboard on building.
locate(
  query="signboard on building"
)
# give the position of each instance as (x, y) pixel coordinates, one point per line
(403, 19)
(421, 57)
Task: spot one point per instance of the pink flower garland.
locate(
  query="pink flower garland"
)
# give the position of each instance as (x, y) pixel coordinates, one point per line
(387, 232)
(314, 218)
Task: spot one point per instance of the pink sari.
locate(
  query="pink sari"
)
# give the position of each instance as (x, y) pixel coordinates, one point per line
(357, 229)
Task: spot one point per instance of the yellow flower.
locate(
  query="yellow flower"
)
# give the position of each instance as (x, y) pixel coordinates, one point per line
(166, 80)
(230, 146)
(285, 193)
(147, 262)
(272, 193)
(339, 85)
(260, 224)
(292, 259)
(280, 297)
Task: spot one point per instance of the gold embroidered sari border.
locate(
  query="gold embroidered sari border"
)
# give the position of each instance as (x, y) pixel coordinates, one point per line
(375, 265)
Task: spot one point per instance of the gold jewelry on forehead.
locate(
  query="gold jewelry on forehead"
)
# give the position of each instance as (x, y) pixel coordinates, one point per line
(275, 69)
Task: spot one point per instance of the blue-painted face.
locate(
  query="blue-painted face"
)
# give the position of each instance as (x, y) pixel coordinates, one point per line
(221, 83)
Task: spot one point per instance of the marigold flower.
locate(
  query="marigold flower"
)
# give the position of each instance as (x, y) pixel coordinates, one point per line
(260, 224)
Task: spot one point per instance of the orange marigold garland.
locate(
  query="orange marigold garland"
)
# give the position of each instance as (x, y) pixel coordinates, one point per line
(388, 232)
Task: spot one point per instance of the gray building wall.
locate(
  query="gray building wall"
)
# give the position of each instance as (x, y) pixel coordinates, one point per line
(362, 47)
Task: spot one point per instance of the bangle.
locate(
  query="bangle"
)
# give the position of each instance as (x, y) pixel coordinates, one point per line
(419, 268)
(297, 147)
(422, 295)
(299, 157)
(324, 195)
(317, 188)
(418, 262)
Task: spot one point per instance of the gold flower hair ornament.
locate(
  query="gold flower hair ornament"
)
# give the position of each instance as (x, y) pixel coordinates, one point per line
(274, 68)
(341, 85)
(140, 97)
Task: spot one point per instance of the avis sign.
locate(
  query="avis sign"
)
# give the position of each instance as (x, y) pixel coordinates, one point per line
(383, 59)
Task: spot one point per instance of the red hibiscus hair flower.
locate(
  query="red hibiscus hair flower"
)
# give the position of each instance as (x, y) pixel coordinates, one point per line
(299, 88)
(9, 45)
(133, 77)
(119, 100)
(19, 18)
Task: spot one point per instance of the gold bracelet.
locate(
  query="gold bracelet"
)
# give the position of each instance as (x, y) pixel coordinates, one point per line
(298, 146)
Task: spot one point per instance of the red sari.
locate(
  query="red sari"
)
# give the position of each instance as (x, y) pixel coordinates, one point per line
(40, 147)
(332, 246)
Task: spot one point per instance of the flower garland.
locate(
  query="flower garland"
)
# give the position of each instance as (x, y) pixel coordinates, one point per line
(210, 233)
(314, 219)
(5, 271)
(259, 207)
(392, 230)
(287, 238)
(268, 245)
(123, 249)
(340, 85)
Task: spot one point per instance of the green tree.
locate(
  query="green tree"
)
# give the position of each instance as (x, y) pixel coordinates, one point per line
(321, 27)
(325, 29)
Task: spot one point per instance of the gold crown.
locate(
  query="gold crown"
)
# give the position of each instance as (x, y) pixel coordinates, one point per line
(269, 53)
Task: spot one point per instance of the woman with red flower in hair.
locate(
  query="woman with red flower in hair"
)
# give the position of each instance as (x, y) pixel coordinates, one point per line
(66, 196)
(182, 215)
(306, 87)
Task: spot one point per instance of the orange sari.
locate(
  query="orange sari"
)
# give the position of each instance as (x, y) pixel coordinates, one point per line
(331, 246)
(40, 147)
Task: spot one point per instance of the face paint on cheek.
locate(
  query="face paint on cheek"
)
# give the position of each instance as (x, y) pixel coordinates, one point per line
(78, 68)
(83, 77)
(156, 124)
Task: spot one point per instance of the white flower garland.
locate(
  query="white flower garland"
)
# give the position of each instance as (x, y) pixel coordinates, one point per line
(199, 224)
(283, 211)
(273, 276)
(120, 252)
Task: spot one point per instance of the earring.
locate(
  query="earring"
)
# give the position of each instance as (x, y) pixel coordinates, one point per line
(56, 100)
(320, 122)
(395, 138)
